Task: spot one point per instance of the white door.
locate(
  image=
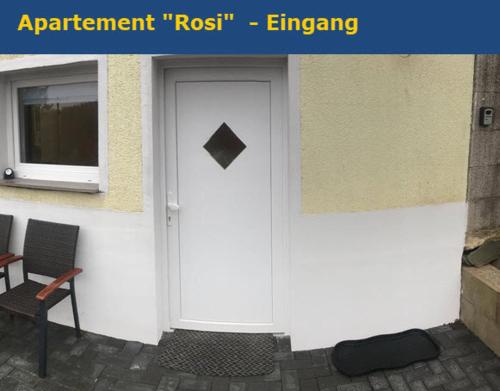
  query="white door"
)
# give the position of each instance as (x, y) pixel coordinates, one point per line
(225, 170)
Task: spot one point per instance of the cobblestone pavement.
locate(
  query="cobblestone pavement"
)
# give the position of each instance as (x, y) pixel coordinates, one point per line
(100, 363)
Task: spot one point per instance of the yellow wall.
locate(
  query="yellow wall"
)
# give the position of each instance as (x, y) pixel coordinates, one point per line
(10, 56)
(384, 132)
(124, 146)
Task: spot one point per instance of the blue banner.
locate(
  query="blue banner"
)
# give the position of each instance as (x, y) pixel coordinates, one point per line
(249, 27)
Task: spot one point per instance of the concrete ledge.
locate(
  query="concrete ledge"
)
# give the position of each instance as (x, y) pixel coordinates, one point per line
(480, 304)
(75, 187)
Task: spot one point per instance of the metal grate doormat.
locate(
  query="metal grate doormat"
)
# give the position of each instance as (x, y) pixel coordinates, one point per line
(217, 354)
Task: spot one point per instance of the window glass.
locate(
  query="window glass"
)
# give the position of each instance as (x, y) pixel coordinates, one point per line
(59, 125)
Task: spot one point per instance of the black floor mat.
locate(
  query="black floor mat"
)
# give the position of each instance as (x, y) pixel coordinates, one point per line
(354, 358)
(217, 354)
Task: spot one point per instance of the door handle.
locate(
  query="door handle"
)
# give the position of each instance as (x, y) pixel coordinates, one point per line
(173, 207)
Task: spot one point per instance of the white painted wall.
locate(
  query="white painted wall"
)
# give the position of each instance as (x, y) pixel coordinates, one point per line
(352, 275)
(116, 292)
(355, 275)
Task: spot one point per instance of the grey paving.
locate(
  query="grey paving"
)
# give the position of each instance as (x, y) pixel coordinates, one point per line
(101, 363)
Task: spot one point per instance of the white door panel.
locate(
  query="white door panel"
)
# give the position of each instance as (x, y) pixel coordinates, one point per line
(226, 236)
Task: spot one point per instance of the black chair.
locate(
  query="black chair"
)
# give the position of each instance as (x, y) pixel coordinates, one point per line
(5, 228)
(49, 250)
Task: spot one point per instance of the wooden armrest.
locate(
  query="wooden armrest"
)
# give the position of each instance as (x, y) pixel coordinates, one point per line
(8, 260)
(49, 289)
(5, 256)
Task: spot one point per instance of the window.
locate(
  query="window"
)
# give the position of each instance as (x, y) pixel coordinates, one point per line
(56, 129)
(58, 124)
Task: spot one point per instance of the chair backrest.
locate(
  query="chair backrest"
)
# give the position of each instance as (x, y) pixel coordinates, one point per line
(5, 228)
(49, 248)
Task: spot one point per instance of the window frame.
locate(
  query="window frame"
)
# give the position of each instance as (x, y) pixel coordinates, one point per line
(51, 172)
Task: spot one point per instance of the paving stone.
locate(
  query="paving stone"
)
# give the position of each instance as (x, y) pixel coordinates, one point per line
(456, 351)
(79, 348)
(96, 370)
(104, 384)
(302, 355)
(454, 369)
(48, 385)
(5, 369)
(99, 363)
(480, 347)
(283, 356)
(469, 360)
(141, 361)
(475, 376)
(458, 385)
(437, 380)
(4, 356)
(290, 380)
(331, 382)
(359, 379)
(398, 383)
(319, 357)
(275, 375)
(222, 385)
(378, 381)
(418, 386)
(106, 349)
(195, 385)
(283, 344)
(483, 388)
(239, 386)
(444, 340)
(436, 367)
(419, 364)
(361, 386)
(489, 365)
(309, 385)
(132, 348)
(70, 377)
(10, 384)
(315, 372)
(168, 383)
(458, 334)
(21, 363)
(295, 364)
(494, 380)
(152, 374)
(126, 386)
(25, 377)
(440, 329)
(264, 386)
(419, 373)
(120, 373)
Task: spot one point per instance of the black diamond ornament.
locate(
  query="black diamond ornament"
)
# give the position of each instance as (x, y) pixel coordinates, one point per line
(224, 146)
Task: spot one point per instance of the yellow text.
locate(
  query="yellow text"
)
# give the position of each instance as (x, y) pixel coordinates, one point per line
(309, 26)
(77, 23)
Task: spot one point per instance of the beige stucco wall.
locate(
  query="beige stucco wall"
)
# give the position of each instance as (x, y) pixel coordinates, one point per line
(384, 132)
(124, 146)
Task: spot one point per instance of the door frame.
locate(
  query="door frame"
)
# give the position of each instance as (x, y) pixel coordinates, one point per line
(281, 280)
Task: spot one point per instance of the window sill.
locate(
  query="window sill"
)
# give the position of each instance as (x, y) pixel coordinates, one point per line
(75, 187)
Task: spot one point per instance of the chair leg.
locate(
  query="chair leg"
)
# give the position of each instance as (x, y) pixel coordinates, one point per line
(75, 309)
(42, 339)
(7, 285)
(7, 278)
